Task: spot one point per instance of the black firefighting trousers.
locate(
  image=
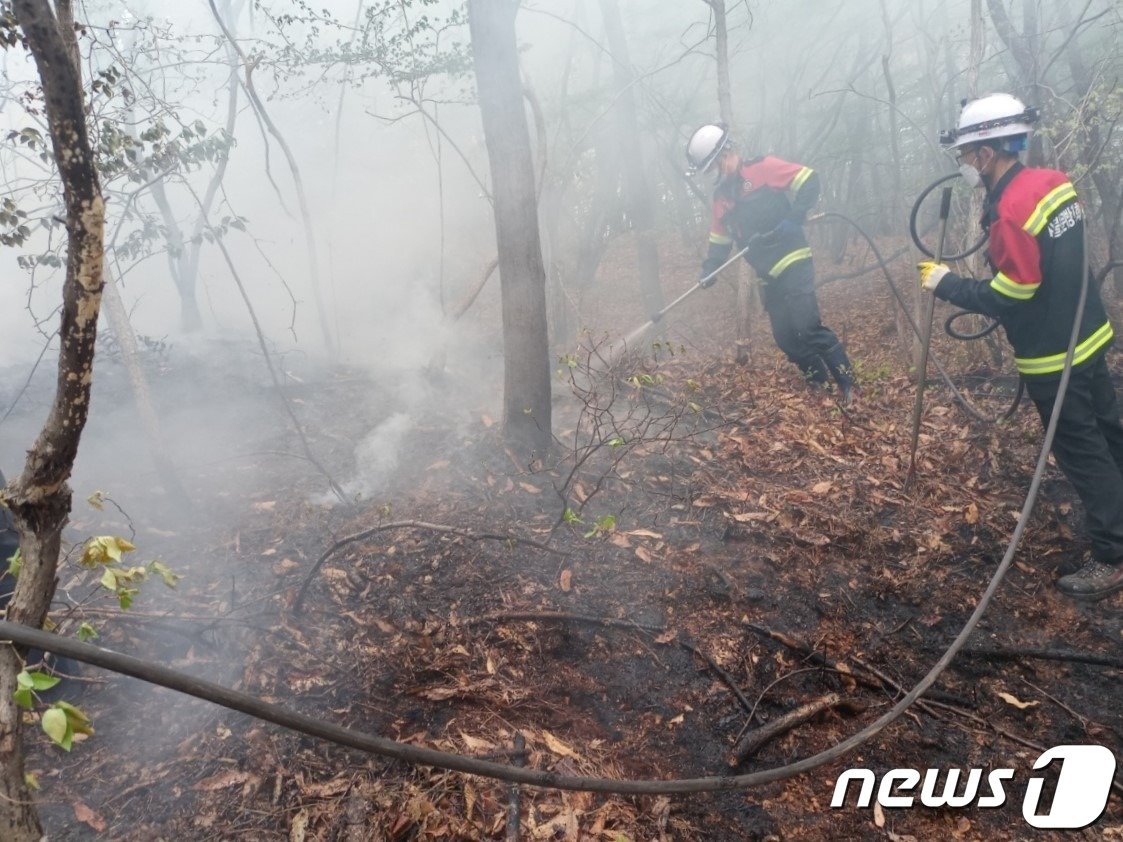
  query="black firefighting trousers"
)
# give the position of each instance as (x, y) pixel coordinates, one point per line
(1089, 449)
(798, 328)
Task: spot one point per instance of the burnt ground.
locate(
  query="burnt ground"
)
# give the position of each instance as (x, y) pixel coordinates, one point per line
(743, 503)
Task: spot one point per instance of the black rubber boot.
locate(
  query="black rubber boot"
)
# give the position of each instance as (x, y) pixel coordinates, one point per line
(1092, 582)
(839, 364)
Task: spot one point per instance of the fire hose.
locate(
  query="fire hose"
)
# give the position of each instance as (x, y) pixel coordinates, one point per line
(216, 693)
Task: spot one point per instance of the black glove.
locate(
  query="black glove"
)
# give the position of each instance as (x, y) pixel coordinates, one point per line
(788, 227)
(709, 268)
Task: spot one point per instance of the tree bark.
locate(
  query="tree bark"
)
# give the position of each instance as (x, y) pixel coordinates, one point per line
(522, 278)
(39, 498)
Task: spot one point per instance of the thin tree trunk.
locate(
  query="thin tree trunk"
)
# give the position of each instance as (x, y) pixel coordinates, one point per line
(976, 351)
(747, 299)
(298, 180)
(892, 206)
(118, 319)
(39, 498)
(637, 189)
(522, 278)
(183, 253)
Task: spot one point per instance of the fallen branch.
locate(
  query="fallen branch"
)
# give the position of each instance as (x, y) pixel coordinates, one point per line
(1067, 655)
(756, 739)
(876, 679)
(413, 524)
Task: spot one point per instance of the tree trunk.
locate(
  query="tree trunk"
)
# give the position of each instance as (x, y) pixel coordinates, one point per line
(747, 299)
(721, 48)
(39, 498)
(977, 352)
(638, 199)
(248, 65)
(894, 198)
(522, 278)
(118, 319)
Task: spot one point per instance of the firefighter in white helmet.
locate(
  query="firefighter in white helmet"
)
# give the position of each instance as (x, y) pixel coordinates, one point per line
(762, 203)
(1035, 223)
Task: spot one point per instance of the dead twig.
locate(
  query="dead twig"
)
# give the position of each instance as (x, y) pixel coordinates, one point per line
(876, 679)
(756, 739)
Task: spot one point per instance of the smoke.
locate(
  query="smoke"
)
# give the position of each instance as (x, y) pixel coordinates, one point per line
(377, 456)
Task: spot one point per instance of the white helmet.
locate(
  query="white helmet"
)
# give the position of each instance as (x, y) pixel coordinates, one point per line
(705, 145)
(989, 118)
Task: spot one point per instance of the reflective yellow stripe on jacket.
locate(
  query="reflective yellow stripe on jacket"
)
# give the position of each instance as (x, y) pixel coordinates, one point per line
(1056, 362)
(1011, 289)
(801, 177)
(1048, 206)
(788, 259)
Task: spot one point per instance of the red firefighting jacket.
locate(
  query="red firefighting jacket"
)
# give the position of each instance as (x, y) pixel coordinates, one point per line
(747, 207)
(1036, 250)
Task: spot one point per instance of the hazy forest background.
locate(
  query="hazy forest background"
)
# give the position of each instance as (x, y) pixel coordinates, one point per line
(361, 261)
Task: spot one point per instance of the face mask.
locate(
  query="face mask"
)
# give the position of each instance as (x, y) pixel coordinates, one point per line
(971, 175)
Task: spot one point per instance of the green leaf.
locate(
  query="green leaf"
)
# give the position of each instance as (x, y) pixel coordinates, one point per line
(170, 577)
(570, 516)
(15, 563)
(104, 549)
(109, 579)
(86, 632)
(43, 681)
(616, 441)
(79, 722)
(125, 597)
(23, 698)
(24, 679)
(57, 727)
(31, 780)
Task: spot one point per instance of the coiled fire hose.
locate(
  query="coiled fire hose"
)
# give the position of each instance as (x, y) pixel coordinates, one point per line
(949, 323)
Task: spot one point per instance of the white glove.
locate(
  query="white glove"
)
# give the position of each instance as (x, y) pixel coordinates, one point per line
(931, 274)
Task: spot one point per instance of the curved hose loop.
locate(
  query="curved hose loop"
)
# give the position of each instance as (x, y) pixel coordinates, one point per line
(950, 330)
(916, 234)
(986, 330)
(216, 693)
(958, 395)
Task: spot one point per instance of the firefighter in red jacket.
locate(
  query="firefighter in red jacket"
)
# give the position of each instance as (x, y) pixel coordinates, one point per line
(1036, 251)
(752, 205)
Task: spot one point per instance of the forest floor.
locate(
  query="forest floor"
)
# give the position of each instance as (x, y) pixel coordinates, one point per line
(738, 546)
